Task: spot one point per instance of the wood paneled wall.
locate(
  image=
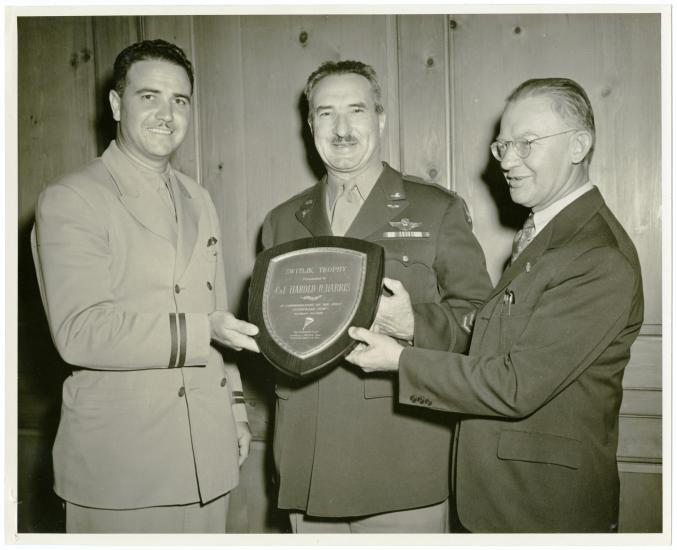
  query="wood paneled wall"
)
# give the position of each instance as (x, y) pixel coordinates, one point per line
(444, 80)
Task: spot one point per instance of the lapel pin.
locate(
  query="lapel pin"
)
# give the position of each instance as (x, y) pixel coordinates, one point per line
(528, 267)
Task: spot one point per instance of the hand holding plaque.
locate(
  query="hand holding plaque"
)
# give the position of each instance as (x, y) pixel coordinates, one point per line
(306, 293)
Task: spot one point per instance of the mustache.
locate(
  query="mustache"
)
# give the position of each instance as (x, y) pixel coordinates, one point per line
(338, 140)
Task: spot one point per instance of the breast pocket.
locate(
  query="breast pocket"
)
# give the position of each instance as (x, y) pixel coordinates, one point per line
(513, 321)
(410, 262)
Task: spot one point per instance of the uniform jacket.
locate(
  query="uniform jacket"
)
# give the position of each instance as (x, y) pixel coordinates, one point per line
(148, 415)
(542, 382)
(341, 447)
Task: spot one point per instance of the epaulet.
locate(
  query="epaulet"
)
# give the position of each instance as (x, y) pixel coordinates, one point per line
(416, 179)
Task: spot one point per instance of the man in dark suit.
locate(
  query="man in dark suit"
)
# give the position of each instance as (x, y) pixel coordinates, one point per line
(348, 460)
(541, 388)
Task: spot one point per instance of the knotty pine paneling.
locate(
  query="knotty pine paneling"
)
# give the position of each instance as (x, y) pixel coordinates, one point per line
(424, 106)
(616, 59)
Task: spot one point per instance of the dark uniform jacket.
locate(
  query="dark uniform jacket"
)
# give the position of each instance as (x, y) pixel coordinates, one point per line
(342, 447)
(542, 380)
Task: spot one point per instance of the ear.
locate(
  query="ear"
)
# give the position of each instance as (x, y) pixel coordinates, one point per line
(115, 101)
(310, 124)
(381, 122)
(581, 144)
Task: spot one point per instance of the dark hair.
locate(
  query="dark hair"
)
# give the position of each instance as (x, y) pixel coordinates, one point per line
(148, 49)
(345, 67)
(569, 100)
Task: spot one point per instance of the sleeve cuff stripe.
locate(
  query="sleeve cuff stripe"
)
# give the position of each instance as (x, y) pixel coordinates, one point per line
(183, 340)
(239, 400)
(238, 392)
(174, 345)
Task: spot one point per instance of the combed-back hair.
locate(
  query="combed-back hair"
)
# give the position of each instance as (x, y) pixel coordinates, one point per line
(345, 67)
(144, 50)
(569, 101)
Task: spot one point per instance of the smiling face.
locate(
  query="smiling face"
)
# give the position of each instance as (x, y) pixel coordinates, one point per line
(345, 125)
(554, 167)
(154, 110)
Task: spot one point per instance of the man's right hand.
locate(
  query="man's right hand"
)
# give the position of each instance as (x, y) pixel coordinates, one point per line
(230, 331)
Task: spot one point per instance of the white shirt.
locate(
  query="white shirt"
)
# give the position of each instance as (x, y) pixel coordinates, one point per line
(542, 217)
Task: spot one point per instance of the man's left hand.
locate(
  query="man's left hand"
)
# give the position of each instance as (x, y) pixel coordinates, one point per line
(395, 316)
(244, 438)
(377, 353)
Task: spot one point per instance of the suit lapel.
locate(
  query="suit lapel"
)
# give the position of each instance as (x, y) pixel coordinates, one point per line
(387, 200)
(189, 213)
(555, 234)
(139, 197)
(146, 207)
(313, 212)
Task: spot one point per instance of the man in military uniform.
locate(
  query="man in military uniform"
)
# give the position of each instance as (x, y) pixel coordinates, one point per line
(127, 251)
(348, 460)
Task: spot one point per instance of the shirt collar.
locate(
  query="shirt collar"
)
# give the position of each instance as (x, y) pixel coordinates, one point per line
(363, 188)
(141, 166)
(543, 217)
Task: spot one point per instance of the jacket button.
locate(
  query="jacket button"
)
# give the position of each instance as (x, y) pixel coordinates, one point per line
(405, 258)
(177, 288)
(182, 391)
(209, 285)
(428, 402)
(223, 382)
(412, 398)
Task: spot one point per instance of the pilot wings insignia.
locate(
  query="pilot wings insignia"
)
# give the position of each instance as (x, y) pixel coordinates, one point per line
(405, 224)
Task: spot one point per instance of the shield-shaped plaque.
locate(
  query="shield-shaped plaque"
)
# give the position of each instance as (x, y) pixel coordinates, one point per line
(306, 293)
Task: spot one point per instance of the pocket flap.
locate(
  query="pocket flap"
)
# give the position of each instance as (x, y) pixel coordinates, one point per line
(376, 386)
(539, 447)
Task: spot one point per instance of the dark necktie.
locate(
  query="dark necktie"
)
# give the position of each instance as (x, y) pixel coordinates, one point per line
(523, 237)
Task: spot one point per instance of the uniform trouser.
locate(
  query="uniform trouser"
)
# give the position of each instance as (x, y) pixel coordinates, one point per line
(187, 518)
(429, 519)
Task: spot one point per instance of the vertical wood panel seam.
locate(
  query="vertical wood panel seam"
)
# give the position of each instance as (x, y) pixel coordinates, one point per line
(196, 105)
(395, 153)
(447, 103)
(451, 157)
(243, 152)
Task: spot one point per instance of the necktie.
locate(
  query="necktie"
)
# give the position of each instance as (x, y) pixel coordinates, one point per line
(165, 192)
(169, 211)
(346, 207)
(523, 237)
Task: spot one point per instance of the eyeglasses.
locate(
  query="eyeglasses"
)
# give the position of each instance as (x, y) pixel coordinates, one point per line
(499, 148)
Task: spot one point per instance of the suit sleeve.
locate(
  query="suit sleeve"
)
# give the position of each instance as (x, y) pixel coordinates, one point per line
(220, 289)
(463, 283)
(575, 320)
(72, 255)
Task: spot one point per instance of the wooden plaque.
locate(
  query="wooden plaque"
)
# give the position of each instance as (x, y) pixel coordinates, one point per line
(306, 293)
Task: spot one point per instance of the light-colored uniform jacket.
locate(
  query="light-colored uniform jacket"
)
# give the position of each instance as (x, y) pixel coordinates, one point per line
(148, 415)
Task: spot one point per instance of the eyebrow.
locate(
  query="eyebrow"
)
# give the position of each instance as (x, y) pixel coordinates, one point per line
(142, 91)
(324, 107)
